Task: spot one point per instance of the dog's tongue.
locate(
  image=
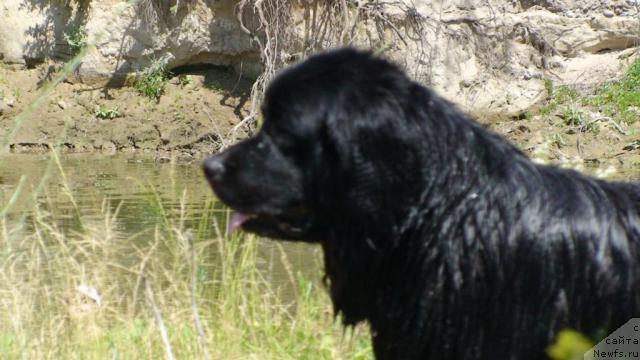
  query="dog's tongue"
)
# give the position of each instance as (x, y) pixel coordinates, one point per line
(237, 219)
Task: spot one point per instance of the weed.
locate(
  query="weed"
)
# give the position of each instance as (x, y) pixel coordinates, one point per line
(185, 80)
(106, 113)
(153, 80)
(547, 109)
(577, 118)
(629, 115)
(76, 39)
(558, 141)
(564, 94)
(573, 117)
(548, 86)
(634, 145)
(557, 97)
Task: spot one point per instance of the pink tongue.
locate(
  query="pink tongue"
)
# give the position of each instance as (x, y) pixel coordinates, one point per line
(237, 219)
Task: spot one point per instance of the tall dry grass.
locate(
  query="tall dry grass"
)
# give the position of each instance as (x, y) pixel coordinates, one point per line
(176, 289)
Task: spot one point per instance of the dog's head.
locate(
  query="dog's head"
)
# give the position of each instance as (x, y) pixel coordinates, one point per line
(335, 135)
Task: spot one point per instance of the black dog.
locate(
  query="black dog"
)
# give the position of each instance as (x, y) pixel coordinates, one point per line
(439, 233)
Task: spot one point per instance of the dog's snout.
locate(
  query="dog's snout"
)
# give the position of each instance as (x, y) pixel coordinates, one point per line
(213, 167)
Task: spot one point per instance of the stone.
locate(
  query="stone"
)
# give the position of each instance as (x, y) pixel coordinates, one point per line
(9, 100)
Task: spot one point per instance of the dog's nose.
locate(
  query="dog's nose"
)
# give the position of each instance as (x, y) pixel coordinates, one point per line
(213, 168)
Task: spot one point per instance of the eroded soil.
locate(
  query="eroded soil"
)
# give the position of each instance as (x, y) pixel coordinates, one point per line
(189, 119)
(605, 149)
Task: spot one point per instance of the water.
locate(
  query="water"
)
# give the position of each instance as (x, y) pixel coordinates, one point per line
(130, 184)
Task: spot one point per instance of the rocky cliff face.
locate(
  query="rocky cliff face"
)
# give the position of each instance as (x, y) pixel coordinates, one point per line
(495, 55)
(488, 56)
(127, 38)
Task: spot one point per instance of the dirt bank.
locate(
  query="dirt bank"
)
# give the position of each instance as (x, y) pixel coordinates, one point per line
(548, 139)
(194, 116)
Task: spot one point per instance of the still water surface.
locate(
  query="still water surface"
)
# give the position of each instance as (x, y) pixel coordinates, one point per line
(133, 183)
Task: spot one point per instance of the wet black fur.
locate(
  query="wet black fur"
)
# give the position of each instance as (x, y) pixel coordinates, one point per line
(443, 236)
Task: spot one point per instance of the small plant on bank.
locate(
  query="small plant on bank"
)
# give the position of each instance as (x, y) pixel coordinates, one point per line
(76, 39)
(564, 94)
(558, 141)
(634, 145)
(106, 113)
(573, 117)
(185, 80)
(560, 95)
(153, 80)
(548, 87)
(578, 119)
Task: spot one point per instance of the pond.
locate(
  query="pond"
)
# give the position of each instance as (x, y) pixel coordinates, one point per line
(141, 189)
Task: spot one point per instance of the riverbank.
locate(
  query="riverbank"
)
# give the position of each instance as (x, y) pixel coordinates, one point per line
(194, 115)
(595, 128)
(197, 111)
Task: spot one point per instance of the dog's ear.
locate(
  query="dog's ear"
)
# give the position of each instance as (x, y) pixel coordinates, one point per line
(374, 131)
(375, 151)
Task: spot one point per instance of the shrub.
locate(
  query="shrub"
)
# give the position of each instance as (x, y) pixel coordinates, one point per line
(153, 80)
(76, 39)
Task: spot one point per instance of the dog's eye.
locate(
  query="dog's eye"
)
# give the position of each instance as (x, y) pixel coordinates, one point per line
(281, 138)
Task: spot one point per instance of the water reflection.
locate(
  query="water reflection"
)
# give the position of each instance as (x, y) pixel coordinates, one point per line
(141, 190)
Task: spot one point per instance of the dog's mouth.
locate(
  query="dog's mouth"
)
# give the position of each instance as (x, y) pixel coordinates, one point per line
(237, 219)
(283, 226)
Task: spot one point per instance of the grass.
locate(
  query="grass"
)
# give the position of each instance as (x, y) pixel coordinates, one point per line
(176, 287)
(558, 140)
(617, 100)
(616, 104)
(548, 86)
(621, 98)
